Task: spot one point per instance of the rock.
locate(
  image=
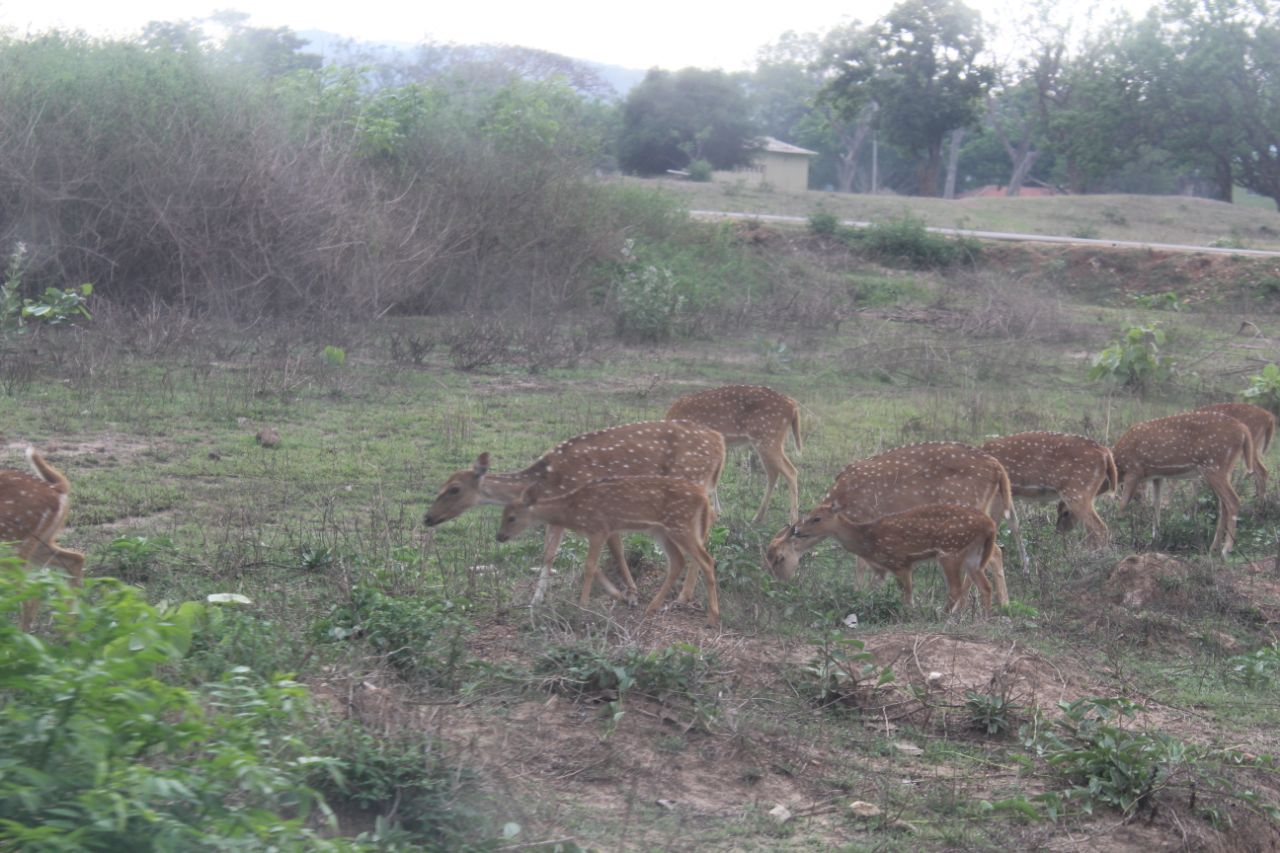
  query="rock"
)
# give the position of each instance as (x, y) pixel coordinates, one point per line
(907, 748)
(669, 805)
(267, 437)
(780, 813)
(215, 456)
(864, 810)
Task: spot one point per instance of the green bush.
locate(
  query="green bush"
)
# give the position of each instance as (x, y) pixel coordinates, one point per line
(98, 752)
(908, 241)
(823, 223)
(649, 299)
(1134, 360)
(699, 170)
(422, 637)
(1264, 389)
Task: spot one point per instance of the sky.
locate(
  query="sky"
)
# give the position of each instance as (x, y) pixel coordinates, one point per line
(662, 33)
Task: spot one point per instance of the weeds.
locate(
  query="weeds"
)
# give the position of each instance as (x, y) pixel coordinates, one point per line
(1134, 360)
(843, 674)
(907, 241)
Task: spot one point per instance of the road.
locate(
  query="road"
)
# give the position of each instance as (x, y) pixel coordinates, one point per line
(1004, 235)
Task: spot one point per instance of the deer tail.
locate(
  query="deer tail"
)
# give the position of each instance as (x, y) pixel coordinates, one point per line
(47, 472)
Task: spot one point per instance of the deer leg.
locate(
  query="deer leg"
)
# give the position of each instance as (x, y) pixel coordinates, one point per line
(957, 581)
(771, 471)
(703, 558)
(1228, 507)
(594, 547)
(620, 558)
(1096, 532)
(997, 576)
(903, 577)
(675, 565)
(1066, 520)
(550, 545)
(1156, 483)
(1260, 476)
(690, 586)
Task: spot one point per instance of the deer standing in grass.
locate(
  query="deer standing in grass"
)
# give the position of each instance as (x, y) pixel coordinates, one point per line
(944, 472)
(755, 415)
(961, 538)
(33, 511)
(1071, 469)
(1262, 427)
(676, 513)
(1206, 444)
(663, 448)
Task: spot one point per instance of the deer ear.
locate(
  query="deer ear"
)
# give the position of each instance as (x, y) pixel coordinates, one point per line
(482, 465)
(530, 495)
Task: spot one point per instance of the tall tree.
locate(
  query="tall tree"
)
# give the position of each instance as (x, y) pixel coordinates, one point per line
(670, 119)
(920, 66)
(1257, 85)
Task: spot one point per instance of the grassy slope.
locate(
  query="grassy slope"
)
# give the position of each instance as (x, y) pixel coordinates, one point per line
(1159, 219)
(155, 445)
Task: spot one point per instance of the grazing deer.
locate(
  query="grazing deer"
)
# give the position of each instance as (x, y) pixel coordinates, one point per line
(1262, 426)
(755, 415)
(962, 539)
(675, 512)
(1207, 444)
(662, 448)
(33, 511)
(1071, 469)
(907, 477)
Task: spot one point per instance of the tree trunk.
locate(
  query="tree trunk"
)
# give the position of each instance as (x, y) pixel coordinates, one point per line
(1021, 169)
(927, 185)
(1224, 176)
(953, 160)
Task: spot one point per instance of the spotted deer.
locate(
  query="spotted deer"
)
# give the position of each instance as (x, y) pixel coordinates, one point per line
(904, 478)
(1262, 427)
(675, 512)
(662, 448)
(1206, 444)
(1071, 469)
(961, 538)
(33, 511)
(755, 415)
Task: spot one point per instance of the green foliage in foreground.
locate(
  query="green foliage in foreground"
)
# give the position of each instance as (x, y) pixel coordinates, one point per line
(906, 241)
(97, 752)
(1134, 360)
(1264, 389)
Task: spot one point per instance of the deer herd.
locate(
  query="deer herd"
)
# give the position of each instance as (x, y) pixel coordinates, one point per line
(939, 501)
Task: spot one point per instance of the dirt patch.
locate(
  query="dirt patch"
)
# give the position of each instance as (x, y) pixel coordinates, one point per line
(106, 447)
(1141, 580)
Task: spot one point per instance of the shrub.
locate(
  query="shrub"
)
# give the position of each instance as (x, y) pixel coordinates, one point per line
(421, 637)
(97, 752)
(823, 223)
(1134, 360)
(1264, 389)
(649, 301)
(909, 242)
(699, 170)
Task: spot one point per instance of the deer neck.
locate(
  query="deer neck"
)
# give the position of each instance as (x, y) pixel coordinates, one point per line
(504, 488)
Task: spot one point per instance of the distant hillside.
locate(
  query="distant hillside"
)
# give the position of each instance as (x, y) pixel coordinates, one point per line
(338, 49)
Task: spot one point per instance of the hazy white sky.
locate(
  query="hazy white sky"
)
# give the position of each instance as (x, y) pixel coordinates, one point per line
(635, 34)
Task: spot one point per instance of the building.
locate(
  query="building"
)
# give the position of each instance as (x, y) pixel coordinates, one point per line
(778, 164)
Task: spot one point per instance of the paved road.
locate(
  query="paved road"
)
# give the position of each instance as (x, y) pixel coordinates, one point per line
(1004, 235)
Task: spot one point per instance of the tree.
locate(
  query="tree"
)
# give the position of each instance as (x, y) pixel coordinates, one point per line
(671, 119)
(919, 65)
(1256, 84)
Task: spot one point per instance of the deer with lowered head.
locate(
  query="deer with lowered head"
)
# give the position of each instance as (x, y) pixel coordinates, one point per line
(1203, 444)
(755, 415)
(675, 512)
(961, 538)
(1071, 469)
(906, 477)
(650, 448)
(33, 511)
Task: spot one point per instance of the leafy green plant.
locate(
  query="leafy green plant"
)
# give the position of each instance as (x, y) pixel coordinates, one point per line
(1104, 762)
(1167, 301)
(55, 307)
(334, 356)
(134, 557)
(649, 300)
(993, 713)
(98, 752)
(907, 240)
(677, 676)
(843, 674)
(422, 637)
(823, 222)
(1264, 389)
(1257, 668)
(699, 170)
(1134, 360)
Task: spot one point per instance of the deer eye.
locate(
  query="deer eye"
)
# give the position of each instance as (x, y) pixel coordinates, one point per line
(453, 490)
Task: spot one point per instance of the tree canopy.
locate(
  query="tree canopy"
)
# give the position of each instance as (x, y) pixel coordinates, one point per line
(671, 119)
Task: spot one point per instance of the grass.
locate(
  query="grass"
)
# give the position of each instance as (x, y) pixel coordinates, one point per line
(1159, 219)
(163, 446)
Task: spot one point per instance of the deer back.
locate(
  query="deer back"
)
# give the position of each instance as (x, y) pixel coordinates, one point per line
(919, 533)
(649, 448)
(1261, 423)
(1052, 462)
(740, 412)
(933, 472)
(1183, 443)
(614, 504)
